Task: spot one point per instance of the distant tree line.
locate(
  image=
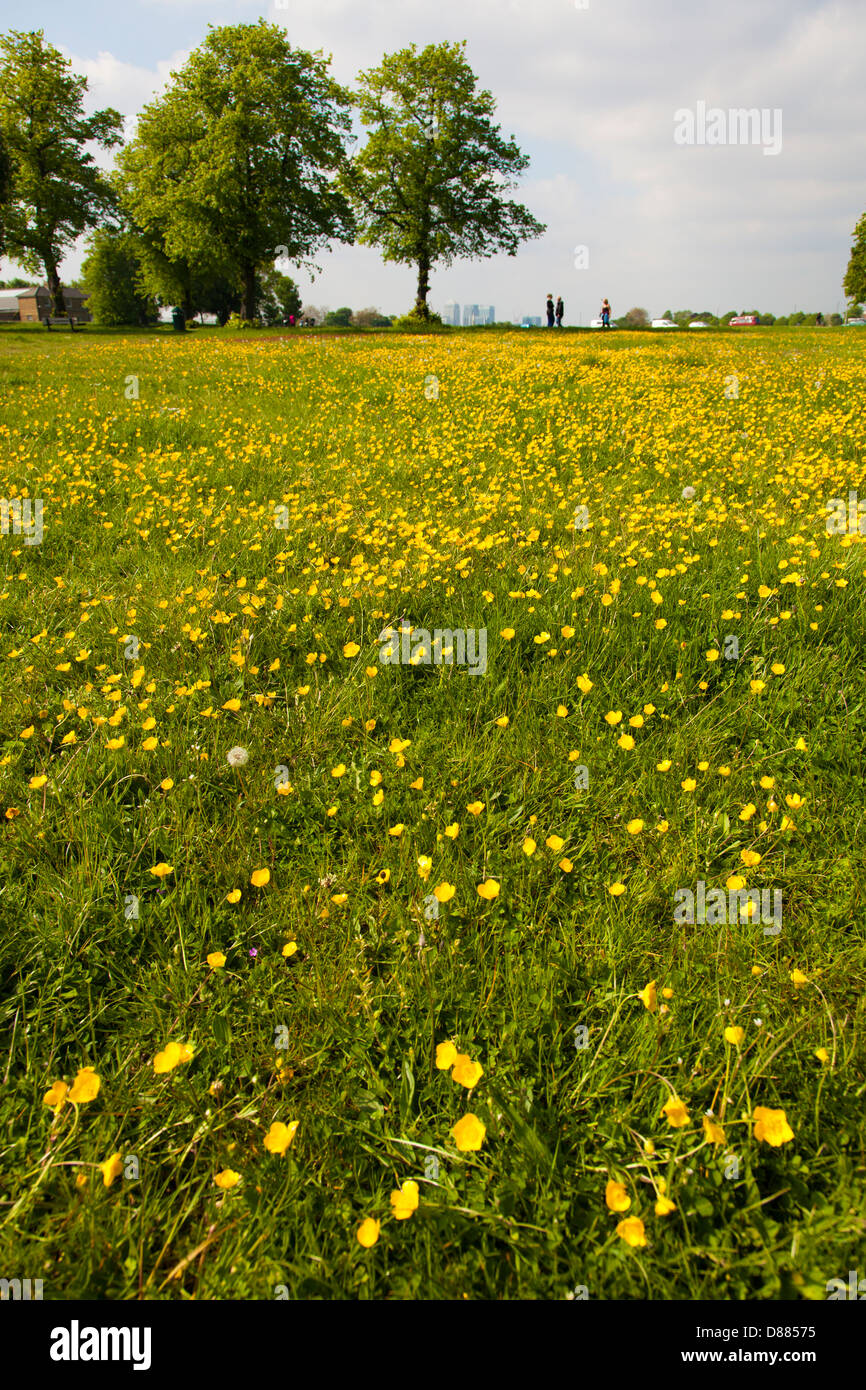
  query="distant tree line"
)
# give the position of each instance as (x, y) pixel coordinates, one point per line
(244, 167)
(639, 318)
(345, 317)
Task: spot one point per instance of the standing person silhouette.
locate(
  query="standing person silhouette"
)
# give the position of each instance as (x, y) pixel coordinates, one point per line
(605, 314)
(550, 311)
(560, 310)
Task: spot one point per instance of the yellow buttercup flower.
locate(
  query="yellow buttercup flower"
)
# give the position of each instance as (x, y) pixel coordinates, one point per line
(112, 1168)
(469, 1133)
(172, 1055)
(404, 1201)
(368, 1232)
(631, 1230)
(648, 997)
(676, 1112)
(56, 1096)
(466, 1072)
(85, 1087)
(279, 1137)
(615, 1196)
(771, 1126)
(446, 1055)
(260, 877)
(227, 1179)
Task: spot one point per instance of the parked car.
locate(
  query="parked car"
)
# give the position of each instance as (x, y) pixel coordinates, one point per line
(744, 321)
(698, 323)
(663, 323)
(855, 323)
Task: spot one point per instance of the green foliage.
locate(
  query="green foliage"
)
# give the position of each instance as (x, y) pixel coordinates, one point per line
(5, 189)
(59, 192)
(233, 165)
(279, 297)
(110, 274)
(370, 318)
(338, 318)
(419, 322)
(429, 184)
(854, 283)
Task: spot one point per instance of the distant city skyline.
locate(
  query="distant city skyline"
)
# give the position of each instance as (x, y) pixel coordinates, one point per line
(473, 314)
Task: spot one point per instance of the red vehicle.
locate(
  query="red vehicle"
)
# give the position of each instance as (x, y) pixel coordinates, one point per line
(744, 320)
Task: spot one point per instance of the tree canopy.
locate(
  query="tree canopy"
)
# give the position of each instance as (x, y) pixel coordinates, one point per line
(5, 190)
(854, 283)
(234, 165)
(429, 184)
(58, 191)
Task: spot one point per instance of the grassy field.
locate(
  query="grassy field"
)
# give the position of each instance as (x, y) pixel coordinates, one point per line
(265, 958)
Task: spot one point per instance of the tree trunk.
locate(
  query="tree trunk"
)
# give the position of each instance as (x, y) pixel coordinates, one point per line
(55, 289)
(421, 309)
(248, 293)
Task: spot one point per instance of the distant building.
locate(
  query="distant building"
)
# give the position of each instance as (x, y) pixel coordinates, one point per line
(474, 314)
(451, 313)
(33, 304)
(528, 322)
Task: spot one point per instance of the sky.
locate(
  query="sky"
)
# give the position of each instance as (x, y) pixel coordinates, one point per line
(594, 92)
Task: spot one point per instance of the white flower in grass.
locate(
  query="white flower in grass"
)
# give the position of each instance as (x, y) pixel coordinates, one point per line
(688, 494)
(236, 757)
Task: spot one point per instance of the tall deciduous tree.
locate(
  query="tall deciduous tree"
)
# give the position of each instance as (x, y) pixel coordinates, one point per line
(428, 186)
(58, 191)
(234, 165)
(854, 283)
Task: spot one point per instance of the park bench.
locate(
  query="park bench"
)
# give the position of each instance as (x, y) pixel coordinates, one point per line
(59, 322)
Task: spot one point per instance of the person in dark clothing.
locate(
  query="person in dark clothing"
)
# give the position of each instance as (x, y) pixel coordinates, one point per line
(605, 314)
(550, 311)
(560, 310)
(819, 319)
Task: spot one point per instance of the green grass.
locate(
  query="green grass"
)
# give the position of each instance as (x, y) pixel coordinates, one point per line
(449, 509)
